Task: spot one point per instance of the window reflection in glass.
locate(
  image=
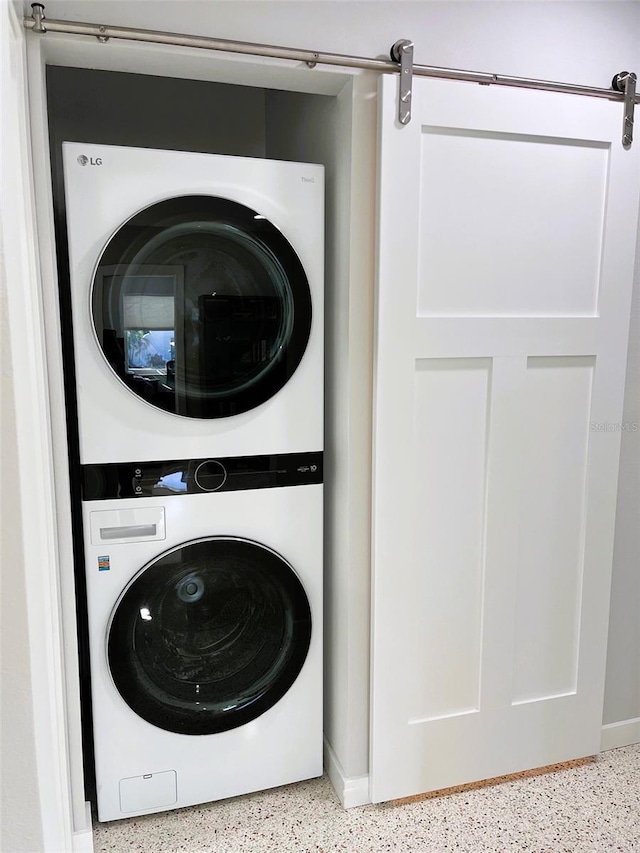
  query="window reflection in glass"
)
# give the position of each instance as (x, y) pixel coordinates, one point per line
(201, 309)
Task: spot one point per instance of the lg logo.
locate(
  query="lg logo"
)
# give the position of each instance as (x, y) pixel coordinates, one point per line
(91, 161)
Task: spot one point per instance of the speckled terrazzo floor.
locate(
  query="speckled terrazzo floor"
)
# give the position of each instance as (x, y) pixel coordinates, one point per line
(589, 807)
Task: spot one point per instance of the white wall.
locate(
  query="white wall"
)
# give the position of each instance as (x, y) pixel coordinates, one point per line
(34, 807)
(622, 691)
(20, 818)
(20, 809)
(580, 42)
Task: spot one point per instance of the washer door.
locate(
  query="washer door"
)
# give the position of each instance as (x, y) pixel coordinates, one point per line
(201, 307)
(209, 636)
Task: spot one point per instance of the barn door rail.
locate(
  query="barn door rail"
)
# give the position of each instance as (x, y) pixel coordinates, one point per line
(400, 62)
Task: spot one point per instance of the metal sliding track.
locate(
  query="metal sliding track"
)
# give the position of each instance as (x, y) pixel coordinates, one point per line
(401, 62)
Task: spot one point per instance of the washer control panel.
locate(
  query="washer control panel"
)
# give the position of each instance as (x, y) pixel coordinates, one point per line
(199, 476)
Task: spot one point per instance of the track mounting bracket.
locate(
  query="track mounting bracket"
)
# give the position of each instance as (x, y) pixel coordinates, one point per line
(402, 52)
(625, 82)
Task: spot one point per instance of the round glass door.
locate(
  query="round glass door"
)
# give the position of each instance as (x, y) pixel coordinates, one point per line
(209, 636)
(201, 307)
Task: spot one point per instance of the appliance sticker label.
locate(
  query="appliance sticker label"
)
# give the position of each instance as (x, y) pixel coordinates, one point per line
(104, 564)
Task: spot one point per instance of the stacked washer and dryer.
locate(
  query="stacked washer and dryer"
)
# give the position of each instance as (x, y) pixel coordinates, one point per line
(197, 297)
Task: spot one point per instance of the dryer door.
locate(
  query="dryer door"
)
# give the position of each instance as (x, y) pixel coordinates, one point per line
(209, 636)
(201, 306)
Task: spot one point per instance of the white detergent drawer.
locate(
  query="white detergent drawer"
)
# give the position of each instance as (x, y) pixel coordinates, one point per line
(151, 791)
(129, 525)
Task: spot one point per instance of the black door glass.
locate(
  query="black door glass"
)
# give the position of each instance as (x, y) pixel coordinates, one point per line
(209, 636)
(201, 306)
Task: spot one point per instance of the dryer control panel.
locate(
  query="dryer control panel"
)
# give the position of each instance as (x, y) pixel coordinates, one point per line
(194, 476)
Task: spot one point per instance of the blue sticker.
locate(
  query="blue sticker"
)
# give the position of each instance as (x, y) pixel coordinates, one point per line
(104, 564)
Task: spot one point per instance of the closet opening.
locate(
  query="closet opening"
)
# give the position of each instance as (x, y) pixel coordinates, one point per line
(112, 107)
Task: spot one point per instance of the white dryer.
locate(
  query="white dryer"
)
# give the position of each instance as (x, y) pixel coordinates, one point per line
(197, 298)
(205, 628)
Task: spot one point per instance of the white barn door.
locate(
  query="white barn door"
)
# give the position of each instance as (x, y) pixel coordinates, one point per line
(507, 228)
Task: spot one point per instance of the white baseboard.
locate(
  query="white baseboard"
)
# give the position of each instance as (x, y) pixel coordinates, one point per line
(624, 733)
(352, 791)
(83, 838)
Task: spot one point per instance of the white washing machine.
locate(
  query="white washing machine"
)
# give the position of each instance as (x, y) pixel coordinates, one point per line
(197, 299)
(205, 627)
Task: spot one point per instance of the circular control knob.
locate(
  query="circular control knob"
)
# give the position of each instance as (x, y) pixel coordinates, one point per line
(210, 475)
